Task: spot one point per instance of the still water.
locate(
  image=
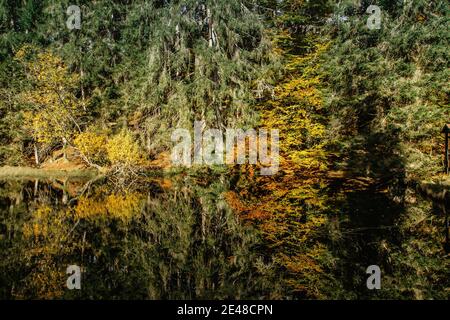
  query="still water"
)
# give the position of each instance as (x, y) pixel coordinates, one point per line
(178, 238)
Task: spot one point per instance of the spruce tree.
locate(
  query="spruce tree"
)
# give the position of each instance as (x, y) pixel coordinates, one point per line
(389, 88)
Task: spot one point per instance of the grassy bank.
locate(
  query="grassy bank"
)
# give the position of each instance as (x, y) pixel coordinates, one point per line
(26, 172)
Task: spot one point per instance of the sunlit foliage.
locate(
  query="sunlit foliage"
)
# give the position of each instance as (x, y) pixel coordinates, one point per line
(122, 149)
(92, 146)
(289, 208)
(55, 110)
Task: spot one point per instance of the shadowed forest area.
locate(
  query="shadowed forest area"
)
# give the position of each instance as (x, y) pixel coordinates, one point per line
(359, 98)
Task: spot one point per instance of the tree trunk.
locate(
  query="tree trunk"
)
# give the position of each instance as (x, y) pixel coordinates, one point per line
(83, 100)
(65, 196)
(64, 149)
(36, 154)
(210, 28)
(36, 188)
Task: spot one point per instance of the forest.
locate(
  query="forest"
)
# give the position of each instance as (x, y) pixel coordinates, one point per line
(92, 91)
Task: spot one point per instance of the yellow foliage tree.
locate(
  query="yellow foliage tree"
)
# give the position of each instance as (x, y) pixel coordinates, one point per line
(92, 146)
(123, 150)
(55, 109)
(289, 207)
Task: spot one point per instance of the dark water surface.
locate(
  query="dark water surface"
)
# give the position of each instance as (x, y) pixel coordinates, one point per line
(178, 239)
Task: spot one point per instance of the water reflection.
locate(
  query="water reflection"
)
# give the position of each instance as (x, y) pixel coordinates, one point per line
(152, 242)
(179, 238)
(405, 238)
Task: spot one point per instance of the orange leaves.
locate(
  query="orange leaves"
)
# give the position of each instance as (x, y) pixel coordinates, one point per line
(258, 214)
(234, 202)
(300, 263)
(245, 211)
(288, 208)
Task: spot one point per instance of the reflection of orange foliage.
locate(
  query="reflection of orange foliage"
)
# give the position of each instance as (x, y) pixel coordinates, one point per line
(123, 206)
(300, 263)
(244, 211)
(162, 161)
(49, 228)
(165, 183)
(88, 207)
(234, 202)
(288, 208)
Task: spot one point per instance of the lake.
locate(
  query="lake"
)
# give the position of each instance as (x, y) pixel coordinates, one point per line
(178, 238)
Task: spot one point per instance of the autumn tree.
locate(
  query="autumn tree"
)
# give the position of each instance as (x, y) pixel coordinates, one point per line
(56, 113)
(289, 207)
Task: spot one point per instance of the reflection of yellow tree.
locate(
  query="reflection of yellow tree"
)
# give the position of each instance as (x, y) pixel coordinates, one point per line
(289, 206)
(46, 235)
(119, 206)
(50, 236)
(38, 226)
(179, 244)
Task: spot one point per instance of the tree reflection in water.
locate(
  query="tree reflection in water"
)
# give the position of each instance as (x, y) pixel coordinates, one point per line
(154, 242)
(192, 238)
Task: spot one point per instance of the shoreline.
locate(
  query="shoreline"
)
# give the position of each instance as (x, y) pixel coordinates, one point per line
(8, 172)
